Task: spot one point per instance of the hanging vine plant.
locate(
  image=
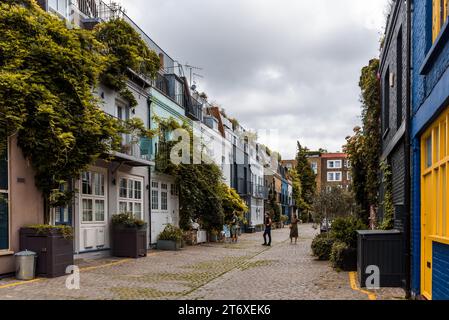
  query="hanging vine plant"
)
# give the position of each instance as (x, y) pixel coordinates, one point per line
(126, 51)
(388, 205)
(202, 194)
(47, 76)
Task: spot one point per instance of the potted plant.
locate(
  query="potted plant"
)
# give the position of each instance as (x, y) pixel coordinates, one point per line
(170, 239)
(129, 236)
(213, 236)
(53, 245)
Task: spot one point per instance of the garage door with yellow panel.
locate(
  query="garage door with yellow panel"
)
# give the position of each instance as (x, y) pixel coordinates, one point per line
(434, 210)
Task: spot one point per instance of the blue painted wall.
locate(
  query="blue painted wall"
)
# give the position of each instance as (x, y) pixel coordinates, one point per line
(430, 93)
(440, 281)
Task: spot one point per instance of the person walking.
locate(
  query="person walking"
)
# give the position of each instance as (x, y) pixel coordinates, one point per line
(268, 224)
(294, 234)
(234, 225)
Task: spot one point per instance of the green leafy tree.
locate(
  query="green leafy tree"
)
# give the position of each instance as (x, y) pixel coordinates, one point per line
(364, 146)
(297, 194)
(233, 203)
(306, 176)
(47, 77)
(334, 203)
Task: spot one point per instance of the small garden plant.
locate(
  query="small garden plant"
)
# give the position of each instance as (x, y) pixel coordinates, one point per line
(127, 220)
(171, 233)
(340, 244)
(44, 229)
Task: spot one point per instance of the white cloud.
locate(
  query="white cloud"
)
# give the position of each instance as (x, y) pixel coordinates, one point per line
(288, 65)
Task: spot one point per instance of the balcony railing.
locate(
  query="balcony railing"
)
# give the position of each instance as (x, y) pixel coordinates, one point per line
(259, 191)
(96, 9)
(136, 147)
(195, 109)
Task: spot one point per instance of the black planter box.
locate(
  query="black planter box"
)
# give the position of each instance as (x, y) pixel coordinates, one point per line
(250, 230)
(54, 252)
(129, 242)
(384, 249)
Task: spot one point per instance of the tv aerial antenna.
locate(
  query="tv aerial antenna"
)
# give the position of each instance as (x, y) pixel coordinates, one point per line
(193, 74)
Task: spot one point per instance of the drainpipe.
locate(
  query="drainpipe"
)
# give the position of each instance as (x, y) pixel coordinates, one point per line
(149, 205)
(407, 168)
(149, 175)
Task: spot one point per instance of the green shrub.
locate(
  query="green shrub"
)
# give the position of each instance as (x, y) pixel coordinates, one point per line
(127, 220)
(284, 218)
(343, 256)
(322, 246)
(43, 229)
(171, 233)
(345, 230)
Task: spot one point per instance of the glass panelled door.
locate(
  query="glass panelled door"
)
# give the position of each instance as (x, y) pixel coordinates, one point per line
(93, 211)
(63, 215)
(4, 208)
(434, 195)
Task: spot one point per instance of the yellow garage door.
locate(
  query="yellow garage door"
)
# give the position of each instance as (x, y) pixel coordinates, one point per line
(434, 194)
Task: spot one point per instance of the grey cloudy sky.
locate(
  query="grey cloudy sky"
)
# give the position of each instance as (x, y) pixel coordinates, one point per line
(287, 65)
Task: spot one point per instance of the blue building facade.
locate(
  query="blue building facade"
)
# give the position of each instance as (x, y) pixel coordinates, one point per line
(430, 156)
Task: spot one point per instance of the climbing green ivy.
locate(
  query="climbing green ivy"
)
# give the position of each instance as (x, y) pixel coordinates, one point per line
(125, 51)
(47, 76)
(202, 194)
(388, 206)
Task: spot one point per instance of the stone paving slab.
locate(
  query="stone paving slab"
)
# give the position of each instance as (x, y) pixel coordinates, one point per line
(243, 271)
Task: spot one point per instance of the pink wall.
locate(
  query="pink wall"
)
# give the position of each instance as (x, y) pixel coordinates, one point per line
(26, 205)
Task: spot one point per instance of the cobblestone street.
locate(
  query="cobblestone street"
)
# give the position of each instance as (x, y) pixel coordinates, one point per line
(241, 271)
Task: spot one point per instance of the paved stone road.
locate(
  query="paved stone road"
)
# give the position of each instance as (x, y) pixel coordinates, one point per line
(242, 271)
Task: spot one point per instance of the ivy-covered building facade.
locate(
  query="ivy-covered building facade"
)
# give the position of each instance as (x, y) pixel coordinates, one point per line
(394, 192)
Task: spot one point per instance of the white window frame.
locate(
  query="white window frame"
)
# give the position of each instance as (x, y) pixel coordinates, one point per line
(314, 166)
(349, 176)
(94, 198)
(131, 200)
(165, 191)
(8, 196)
(348, 164)
(333, 174)
(334, 164)
(155, 187)
(58, 10)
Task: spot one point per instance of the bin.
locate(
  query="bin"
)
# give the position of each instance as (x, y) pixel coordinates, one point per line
(25, 265)
(383, 249)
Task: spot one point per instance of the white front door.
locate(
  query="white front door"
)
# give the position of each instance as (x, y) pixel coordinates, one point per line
(164, 208)
(93, 211)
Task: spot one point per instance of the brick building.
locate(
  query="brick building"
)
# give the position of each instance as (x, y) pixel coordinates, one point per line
(334, 171)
